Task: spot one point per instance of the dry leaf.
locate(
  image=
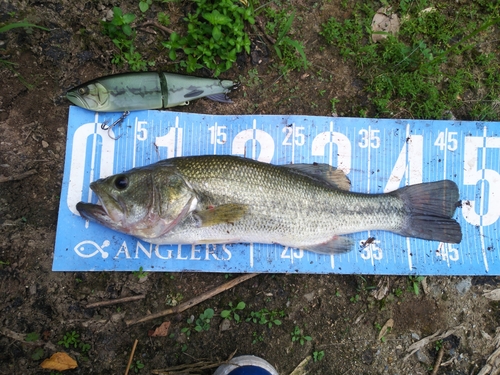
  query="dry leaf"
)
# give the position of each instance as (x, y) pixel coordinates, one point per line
(386, 328)
(492, 294)
(160, 331)
(60, 362)
(382, 288)
(384, 22)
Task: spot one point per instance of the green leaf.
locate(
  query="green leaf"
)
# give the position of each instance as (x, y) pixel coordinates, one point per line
(216, 18)
(117, 12)
(240, 306)
(143, 6)
(225, 313)
(20, 24)
(216, 33)
(127, 30)
(32, 336)
(128, 18)
(172, 55)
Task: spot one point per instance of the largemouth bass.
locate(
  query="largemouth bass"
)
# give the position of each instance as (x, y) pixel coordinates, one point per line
(229, 199)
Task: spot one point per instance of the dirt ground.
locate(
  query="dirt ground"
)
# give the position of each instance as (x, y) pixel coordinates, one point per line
(340, 313)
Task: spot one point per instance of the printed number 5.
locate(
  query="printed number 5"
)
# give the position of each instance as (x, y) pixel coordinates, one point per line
(473, 174)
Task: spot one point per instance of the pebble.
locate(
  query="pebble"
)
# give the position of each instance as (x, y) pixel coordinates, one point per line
(309, 296)
(464, 286)
(45, 144)
(422, 357)
(225, 325)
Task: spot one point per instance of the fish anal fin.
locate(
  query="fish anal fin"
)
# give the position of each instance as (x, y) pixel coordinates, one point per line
(324, 173)
(223, 214)
(337, 245)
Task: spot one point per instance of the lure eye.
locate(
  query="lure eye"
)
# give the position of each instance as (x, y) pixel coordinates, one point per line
(121, 182)
(83, 90)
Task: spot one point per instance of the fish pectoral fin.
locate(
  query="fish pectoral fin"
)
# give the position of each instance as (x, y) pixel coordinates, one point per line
(324, 173)
(224, 214)
(337, 245)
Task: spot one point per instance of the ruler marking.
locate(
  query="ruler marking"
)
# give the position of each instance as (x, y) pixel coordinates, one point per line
(481, 201)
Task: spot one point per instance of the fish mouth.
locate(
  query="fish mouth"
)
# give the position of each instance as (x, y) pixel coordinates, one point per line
(108, 211)
(95, 212)
(77, 99)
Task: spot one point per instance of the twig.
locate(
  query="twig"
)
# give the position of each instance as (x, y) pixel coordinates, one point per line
(156, 24)
(194, 301)
(131, 356)
(438, 360)
(115, 301)
(19, 176)
(186, 369)
(22, 338)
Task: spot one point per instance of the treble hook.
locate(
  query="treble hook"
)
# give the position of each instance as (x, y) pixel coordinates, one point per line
(104, 125)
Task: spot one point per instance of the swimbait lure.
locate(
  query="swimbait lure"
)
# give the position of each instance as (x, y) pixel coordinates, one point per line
(147, 90)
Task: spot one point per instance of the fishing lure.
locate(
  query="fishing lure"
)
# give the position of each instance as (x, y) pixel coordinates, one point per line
(147, 90)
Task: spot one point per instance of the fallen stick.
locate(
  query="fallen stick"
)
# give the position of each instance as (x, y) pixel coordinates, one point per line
(195, 367)
(115, 301)
(194, 301)
(439, 359)
(19, 176)
(131, 357)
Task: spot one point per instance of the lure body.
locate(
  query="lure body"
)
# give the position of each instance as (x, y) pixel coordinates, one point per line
(146, 90)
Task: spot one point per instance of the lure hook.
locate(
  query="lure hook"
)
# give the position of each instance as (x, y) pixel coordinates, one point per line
(104, 125)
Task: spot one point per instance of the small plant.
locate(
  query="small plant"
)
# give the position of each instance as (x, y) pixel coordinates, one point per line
(203, 322)
(140, 274)
(318, 356)
(355, 298)
(120, 30)
(215, 35)
(232, 312)
(334, 102)
(137, 366)
(73, 339)
(398, 292)
(70, 339)
(32, 336)
(257, 338)
(289, 51)
(37, 354)
(415, 283)
(299, 337)
(438, 345)
(266, 317)
(187, 330)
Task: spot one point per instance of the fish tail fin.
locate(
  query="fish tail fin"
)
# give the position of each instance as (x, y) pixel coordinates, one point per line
(430, 209)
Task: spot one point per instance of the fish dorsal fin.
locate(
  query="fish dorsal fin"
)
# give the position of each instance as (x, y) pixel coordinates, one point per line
(224, 214)
(325, 173)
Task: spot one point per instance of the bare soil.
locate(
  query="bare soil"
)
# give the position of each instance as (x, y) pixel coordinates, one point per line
(338, 312)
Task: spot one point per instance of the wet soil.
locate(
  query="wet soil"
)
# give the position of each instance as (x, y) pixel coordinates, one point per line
(338, 312)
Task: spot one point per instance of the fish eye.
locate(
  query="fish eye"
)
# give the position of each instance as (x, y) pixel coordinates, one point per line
(83, 90)
(121, 182)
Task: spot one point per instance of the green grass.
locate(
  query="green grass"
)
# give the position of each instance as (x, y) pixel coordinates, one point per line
(434, 65)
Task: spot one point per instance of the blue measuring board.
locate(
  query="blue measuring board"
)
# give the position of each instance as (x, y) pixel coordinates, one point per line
(377, 155)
